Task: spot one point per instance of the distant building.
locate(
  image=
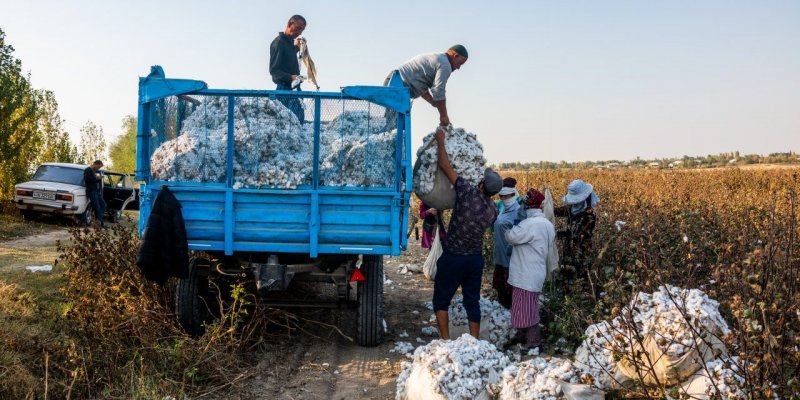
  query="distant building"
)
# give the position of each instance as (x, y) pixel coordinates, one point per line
(654, 164)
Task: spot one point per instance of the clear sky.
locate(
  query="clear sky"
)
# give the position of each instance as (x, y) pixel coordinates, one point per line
(546, 80)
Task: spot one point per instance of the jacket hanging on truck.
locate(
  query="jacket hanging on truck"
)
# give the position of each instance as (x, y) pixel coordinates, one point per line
(164, 251)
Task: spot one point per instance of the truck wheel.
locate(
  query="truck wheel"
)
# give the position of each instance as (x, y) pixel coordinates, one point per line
(191, 298)
(370, 302)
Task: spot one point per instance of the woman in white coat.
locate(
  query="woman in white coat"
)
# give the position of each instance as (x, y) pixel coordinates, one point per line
(531, 241)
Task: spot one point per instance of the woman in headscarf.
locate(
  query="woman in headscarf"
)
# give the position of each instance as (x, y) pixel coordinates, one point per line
(507, 217)
(430, 222)
(579, 207)
(531, 239)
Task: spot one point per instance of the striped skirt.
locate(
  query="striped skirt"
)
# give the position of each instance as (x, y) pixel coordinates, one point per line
(524, 308)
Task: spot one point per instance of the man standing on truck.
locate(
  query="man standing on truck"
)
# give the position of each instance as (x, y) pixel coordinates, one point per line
(92, 180)
(461, 262)
(426, 76)
(283, 65)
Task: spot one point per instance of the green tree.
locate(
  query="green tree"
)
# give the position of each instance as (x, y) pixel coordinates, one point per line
(93, 142)
(123, 150)
(19, 141)
(56, 145)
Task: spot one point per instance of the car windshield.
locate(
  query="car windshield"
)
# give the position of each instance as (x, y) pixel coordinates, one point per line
(54, 173)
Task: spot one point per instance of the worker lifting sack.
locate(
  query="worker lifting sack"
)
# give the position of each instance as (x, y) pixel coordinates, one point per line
(466, 156)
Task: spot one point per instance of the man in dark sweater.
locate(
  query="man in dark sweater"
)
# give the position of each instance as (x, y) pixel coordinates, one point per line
(92, 181)
(283, 65)
(461, 262)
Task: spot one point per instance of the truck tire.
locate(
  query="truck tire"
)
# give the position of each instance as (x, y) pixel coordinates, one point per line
(191, 298)
(370, 302)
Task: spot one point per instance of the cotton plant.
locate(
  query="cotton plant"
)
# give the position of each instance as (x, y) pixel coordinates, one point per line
(463, 150)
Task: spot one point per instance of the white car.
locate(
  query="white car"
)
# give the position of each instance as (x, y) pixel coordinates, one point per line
(58, 188)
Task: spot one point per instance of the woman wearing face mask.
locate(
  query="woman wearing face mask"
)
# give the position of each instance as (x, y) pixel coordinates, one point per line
(508, 216)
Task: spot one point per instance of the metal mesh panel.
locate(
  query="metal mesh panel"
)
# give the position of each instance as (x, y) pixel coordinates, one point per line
(357, 148)
(274, 141)
(272, 147)
(189, 139)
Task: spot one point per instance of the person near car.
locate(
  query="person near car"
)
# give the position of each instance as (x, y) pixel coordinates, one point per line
(461, 262)
(283, 64)
(92, 178)
(531, 239)
(508, 216)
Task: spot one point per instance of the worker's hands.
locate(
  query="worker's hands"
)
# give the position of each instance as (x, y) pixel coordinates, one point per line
(431, 211)
(297, 80)
(444, 120)
(439, 135)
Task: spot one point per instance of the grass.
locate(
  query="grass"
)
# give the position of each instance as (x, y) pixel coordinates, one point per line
(14, 258)
(13, 226)
(30, 310)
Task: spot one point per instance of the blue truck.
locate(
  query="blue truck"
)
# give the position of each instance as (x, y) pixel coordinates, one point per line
(270, 237)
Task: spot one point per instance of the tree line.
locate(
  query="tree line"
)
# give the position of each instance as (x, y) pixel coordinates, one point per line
(32, 131)
(708, 161)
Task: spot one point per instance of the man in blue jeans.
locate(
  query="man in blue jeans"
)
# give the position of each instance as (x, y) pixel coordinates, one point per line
(461, 262)
(283, 65)
(93, 191)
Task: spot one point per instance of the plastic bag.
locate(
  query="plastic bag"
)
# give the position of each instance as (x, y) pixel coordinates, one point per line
(429, 268)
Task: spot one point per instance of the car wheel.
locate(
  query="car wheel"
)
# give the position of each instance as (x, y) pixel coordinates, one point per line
(85, 218)
(192, 305)
(370, 302)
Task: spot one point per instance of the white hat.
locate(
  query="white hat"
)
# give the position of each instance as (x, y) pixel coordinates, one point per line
(577, 191)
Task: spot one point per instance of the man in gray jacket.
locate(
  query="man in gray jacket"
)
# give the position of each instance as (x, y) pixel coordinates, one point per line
(426, 76)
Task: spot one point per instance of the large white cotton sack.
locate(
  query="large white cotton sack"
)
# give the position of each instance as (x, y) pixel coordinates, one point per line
(665, 323)
(457, 369)
(720, 377)
(466, 157)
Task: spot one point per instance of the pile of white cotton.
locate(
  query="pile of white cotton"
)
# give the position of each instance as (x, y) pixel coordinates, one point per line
(465, 154)
(355, 151)
(537, 378)
(451, 369)
(272, 149)
(679, 328)
(495, 320)
(721, 377)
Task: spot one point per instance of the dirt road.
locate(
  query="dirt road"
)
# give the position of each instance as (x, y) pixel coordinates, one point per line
(324, 365)
(36, 249)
